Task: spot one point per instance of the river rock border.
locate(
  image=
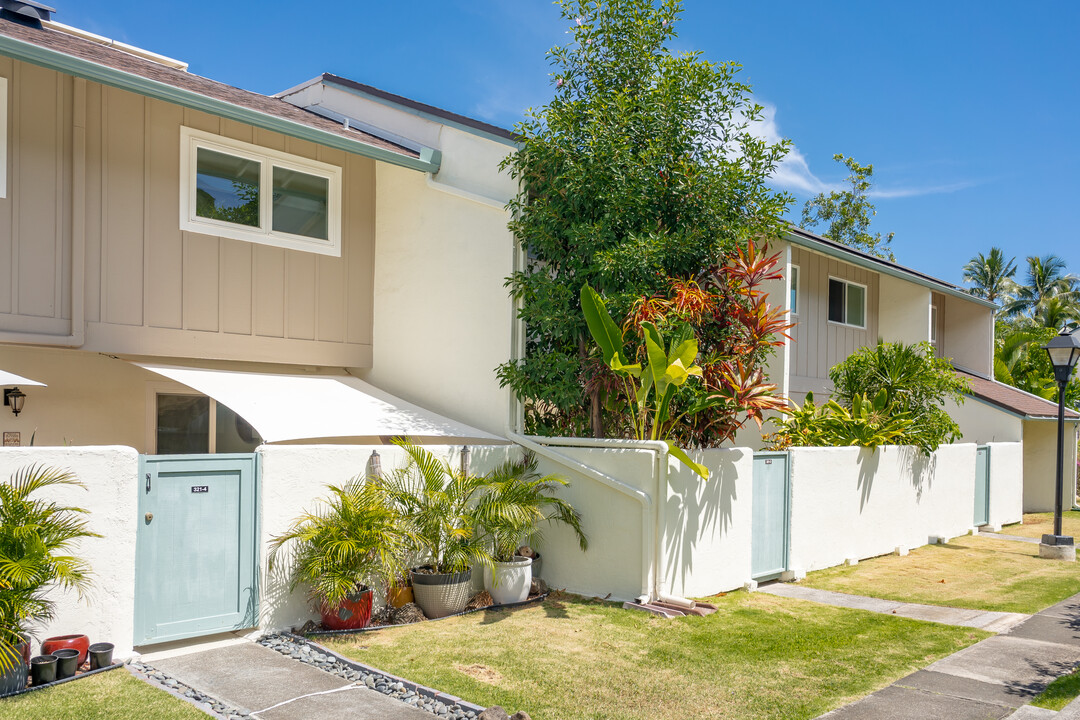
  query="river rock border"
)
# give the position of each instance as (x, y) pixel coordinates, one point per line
(208, 704)
(438, 703)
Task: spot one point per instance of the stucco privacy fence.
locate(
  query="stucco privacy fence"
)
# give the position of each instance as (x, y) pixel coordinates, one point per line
(649, 531)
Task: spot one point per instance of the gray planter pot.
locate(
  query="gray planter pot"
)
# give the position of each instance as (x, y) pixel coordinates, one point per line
(439, 595)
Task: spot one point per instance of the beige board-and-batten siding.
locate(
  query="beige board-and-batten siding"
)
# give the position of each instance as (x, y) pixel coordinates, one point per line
(820, 344)
(94, 192)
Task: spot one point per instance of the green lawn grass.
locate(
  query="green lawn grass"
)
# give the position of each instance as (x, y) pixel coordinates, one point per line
(113, 695)
(572, 658)
(1037, 524)
(1059, 693)
(968, 572)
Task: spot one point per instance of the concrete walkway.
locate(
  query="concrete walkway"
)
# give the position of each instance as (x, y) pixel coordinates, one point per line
(990, 680)
(1003, 536)
(982, 619)
(270, 686)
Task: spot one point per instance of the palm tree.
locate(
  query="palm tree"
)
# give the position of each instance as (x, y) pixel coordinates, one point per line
(1046, 278)
(37, 538)
(991, 276)
(1058, 311)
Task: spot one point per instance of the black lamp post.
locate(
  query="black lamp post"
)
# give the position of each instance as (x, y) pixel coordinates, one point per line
(1064, 351)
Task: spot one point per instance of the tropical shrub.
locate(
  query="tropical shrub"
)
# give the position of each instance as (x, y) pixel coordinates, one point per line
(868, 423)
(515, 503)
(357, 540)
(915, 383)
(440, 503)
(37, 540)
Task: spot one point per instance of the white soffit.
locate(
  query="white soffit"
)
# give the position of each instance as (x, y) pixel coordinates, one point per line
(7, 378)
(308, 407)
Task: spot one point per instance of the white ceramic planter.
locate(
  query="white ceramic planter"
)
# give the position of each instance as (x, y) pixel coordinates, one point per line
(510, 581)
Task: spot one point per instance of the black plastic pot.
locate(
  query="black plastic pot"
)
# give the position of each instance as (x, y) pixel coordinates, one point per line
(43, 669)
(67, 662)
(100, 655)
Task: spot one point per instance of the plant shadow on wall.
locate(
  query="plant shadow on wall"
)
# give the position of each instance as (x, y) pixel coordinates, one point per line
(889, 394)
(698, 509)
(37, 540)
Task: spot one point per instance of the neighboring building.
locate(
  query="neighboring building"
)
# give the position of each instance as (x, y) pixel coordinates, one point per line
(843, 299)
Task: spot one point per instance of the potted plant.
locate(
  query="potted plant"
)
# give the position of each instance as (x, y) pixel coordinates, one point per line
(516, 501)
(438, 501)
(36, 555)
(341, 551)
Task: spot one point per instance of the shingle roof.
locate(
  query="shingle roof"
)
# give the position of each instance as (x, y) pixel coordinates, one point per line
(1013, 399)
(109, 57)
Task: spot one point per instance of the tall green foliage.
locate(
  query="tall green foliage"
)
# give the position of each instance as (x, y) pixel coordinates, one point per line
(914, 382)
(848, 212)
(991, 276)
(640, 169)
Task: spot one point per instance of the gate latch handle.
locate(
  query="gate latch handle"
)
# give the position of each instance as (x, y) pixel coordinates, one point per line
(149, 518)
(147, 482)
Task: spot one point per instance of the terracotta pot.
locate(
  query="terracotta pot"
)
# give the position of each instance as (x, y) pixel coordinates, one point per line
(77, 642)
(353, 613)
(401, 595)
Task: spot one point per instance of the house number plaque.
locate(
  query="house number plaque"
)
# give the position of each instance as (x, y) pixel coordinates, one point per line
(200, 488)
(12, 439)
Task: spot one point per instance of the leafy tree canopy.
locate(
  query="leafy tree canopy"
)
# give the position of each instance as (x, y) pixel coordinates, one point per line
(991, 276)
(641, 170)
(848, 212)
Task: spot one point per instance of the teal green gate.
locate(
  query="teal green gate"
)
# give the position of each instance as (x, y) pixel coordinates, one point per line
(982, 485)
(769, 533)
(196, 562)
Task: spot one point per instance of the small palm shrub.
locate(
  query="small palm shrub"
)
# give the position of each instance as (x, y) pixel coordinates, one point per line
(866, 424)
(357, 540)
(517, 501)
(439, 502)
(37, 540)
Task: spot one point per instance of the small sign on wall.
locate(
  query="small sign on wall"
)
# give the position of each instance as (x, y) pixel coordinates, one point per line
(200, 488)
(12, 439)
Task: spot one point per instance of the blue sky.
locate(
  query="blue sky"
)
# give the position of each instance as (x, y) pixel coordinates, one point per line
(969, 111)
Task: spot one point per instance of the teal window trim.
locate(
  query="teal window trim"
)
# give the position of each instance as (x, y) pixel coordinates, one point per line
(429, 160)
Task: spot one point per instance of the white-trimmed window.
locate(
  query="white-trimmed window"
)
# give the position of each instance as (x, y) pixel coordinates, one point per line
(246, 192)
(793, 297)
(186, 423)
(933, 325)
(847, 303)
(3, 136)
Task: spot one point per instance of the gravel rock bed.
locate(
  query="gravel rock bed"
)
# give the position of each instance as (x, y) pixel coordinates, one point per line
(206, 703)
(438, 704)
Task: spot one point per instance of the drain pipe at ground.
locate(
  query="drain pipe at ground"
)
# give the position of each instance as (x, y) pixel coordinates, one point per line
(660, 476)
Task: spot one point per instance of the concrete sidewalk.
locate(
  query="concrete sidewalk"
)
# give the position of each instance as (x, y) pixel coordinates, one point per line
(990, 680)
(269, 686)
(981, 619)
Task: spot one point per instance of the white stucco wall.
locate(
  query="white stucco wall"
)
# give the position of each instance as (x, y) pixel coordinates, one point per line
(1040, 465)
(111, 476)
(858, 503)
(443, 318)
(1006, 483)
(983, 423)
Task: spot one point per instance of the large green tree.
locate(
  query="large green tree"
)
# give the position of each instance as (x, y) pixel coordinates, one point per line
(1047, 279)
(640, 170)
(848, 212)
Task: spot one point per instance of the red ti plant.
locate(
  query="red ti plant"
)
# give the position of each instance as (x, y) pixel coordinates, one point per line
(736, 329)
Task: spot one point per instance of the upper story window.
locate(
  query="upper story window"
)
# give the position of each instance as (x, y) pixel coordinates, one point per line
(246, 192)
(793, 299)
(847, 303)
(3, 136)
(933, 325)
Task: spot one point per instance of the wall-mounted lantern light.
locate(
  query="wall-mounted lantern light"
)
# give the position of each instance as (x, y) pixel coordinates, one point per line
(14, 398)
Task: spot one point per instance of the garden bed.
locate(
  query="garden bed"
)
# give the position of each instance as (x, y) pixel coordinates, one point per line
(79, 674)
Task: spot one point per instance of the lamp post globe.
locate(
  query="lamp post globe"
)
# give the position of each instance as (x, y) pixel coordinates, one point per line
(1064, 352)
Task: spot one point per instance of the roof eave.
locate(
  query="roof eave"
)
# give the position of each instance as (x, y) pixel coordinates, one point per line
(808, 241)
(428, 161)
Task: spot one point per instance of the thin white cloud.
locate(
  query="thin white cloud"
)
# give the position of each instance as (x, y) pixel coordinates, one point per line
(794, 173)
